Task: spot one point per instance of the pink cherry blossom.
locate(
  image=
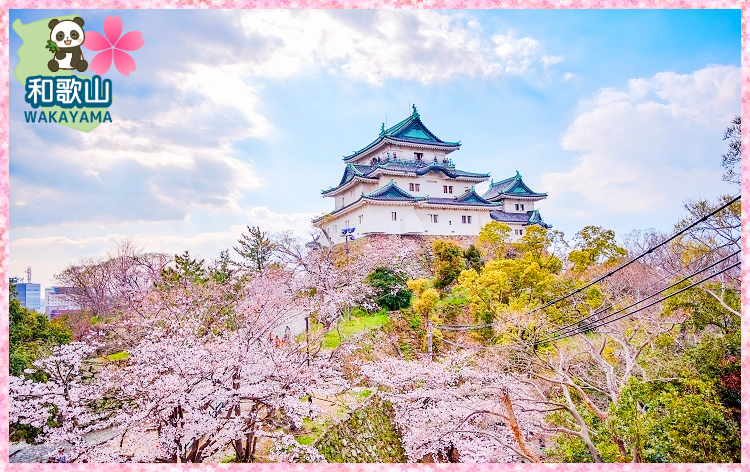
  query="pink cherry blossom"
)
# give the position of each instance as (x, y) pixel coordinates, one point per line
(113, 47)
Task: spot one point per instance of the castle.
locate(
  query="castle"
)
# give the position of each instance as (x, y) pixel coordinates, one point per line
(404, 183)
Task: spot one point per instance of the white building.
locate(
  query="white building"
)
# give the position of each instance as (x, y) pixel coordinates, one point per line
(404, 183)
(59, 301)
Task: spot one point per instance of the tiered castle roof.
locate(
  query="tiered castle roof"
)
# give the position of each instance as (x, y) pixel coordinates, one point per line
(414, 133)
(409, 131)
(372, 173)
(512, 187)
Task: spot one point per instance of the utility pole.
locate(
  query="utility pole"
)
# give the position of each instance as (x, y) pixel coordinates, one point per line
(429, 337)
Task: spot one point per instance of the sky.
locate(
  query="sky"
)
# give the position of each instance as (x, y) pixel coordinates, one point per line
(237, 118)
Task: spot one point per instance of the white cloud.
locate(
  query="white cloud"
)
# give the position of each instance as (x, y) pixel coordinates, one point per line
(550, 60)
(298, 223)
(175, 146)
(648, 147)
(373, 46)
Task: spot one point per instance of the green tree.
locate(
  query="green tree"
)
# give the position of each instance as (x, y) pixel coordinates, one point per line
(675, 422)
(31, 335)
(256, 248)
(534, 243)
(186, 270)
(594, 245)
(391, 292)
(448, 262)
(494, 239)
(424, 302)
(473, 258)
(222, 269)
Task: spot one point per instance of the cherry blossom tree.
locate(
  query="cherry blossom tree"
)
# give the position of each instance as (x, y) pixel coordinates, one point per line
(199, 377)
(460, 410)
(330, 280)
(65, 406)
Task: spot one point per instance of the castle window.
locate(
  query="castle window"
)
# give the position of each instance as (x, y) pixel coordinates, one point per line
(418, 156)
(521, 206)
(466, 219)
(393, 216)
(447, 188)
(360, 219)
(416, 187)
(450, 189)
(517, 207)
(433, 218)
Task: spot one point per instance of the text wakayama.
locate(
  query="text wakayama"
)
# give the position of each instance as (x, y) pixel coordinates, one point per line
(67, 117)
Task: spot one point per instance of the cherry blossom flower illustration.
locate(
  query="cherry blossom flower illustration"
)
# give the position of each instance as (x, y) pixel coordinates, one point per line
(113, 47)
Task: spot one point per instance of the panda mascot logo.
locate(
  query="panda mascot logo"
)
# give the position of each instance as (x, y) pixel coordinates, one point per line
(65, 42)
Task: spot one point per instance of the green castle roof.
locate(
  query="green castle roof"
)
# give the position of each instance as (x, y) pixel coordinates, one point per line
(411, 130)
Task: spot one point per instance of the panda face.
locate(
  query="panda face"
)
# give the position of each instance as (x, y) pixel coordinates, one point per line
(67, 34)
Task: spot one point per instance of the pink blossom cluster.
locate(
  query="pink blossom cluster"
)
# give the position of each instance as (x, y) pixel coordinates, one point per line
(455, 408)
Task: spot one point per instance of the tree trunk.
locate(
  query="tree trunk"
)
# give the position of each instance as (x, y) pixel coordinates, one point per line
(513, 423)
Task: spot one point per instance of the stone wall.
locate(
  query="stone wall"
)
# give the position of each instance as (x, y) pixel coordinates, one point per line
(367, 434)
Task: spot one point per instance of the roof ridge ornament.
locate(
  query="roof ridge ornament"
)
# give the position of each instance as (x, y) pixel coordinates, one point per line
(414, 112)
(382, 129)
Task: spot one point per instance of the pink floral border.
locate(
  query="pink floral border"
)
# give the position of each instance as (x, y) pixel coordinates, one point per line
(500, 4)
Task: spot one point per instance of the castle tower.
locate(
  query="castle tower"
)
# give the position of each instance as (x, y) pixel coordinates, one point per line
(405, 183)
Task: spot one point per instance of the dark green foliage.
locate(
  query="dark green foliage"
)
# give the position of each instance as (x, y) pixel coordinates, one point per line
(448, 263)
(31, 335)
(473, 258)
(390, 288)
(223, 269)
(186, 270)
(717, 361)
(256, 248)
(675, 422)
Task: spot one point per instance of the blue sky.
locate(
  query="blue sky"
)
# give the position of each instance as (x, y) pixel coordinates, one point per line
(241, 118)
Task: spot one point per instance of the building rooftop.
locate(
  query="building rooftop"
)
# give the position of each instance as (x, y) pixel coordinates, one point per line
(528, 218)
(391, 192)
(470, 198)
(408, 131)
(372, 172)
(512, 187)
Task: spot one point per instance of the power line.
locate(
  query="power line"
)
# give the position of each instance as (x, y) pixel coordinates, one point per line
(594, 325)
(640, 256)
(463, 327)
(612, 272)
(577, 324)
